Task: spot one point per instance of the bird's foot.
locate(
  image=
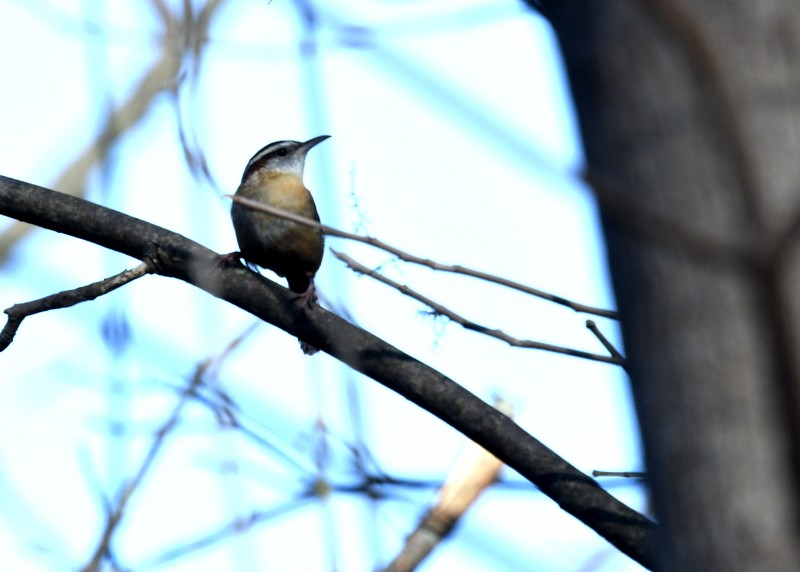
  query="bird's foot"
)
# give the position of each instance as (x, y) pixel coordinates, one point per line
(308, 298)
(230, 259)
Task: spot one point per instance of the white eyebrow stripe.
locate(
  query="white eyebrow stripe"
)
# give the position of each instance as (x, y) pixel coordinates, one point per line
(271, 148)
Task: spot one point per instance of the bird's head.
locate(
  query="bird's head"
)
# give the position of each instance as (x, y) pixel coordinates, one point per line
(281, 157)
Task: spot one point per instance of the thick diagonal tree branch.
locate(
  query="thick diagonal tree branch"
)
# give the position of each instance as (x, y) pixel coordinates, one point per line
(171, 254)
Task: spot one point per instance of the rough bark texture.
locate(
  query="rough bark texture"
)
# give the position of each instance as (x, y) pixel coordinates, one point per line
(690, 113)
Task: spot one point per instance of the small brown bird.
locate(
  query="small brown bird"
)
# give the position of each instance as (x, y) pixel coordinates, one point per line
(274, 176)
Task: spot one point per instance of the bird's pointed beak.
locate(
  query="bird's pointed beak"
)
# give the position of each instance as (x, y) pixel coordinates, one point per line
(311, 143)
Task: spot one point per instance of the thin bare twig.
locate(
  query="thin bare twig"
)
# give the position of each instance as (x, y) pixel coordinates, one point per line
(407, 257)
(232, 528)
(19, 312)
(592, 327)
(205, 368)
(469, 324)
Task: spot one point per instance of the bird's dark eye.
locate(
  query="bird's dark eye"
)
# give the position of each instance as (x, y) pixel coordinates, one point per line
(282, 152)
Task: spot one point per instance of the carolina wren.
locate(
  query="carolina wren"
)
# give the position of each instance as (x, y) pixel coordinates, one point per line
(274, 176)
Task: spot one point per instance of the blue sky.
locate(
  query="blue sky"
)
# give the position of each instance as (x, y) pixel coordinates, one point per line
(452, 138)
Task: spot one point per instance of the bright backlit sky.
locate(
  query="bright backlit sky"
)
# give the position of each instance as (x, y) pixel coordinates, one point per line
(452, 138)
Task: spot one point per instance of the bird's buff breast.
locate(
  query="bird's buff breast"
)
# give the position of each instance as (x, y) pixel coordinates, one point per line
(272, 236)
(282, 191)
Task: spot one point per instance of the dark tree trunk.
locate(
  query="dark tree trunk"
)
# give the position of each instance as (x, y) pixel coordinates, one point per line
(690, 113)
